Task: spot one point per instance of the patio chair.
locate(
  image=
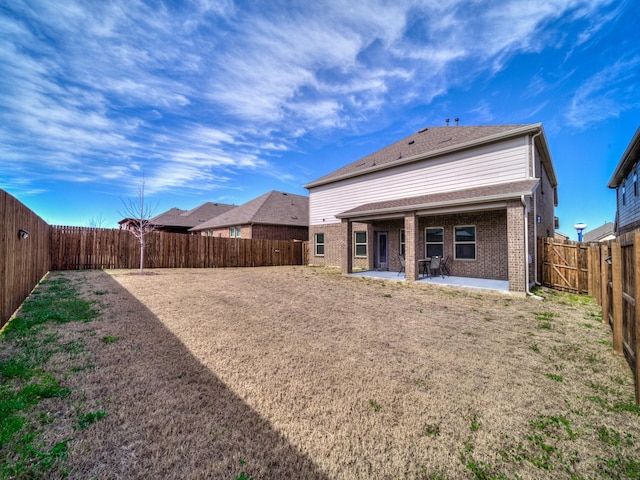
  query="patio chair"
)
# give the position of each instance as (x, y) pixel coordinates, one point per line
(445, 265)
(436, 265)
(402, 265)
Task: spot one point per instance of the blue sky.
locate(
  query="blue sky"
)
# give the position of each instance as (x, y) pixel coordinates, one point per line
(224, 101)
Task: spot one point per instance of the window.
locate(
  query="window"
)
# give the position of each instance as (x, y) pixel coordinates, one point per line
(319, 237)
(238, 232)
(434, 241)
(465, 242)
(360, 244)
(635, 181)
(402, 242)
(624, 193)
(232, 232)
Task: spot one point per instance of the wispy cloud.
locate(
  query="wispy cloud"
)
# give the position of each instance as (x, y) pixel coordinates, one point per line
(607, 93)
(194, 92)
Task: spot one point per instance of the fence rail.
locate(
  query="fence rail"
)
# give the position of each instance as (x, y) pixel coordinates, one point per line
(609, 273)
(78, 248)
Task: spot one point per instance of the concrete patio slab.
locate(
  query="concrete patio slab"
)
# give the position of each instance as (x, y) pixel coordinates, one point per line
(464, 282)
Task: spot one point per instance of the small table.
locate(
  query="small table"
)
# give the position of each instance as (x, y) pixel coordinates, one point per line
(423, 266)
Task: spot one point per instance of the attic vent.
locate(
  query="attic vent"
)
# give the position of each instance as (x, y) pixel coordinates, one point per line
(361, 163)
(411, 142)
(294, 217)
(283, 193)
(423, 130)
(446, 140)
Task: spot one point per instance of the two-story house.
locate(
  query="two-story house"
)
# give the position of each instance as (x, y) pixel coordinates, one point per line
(625, 182)
(479, 195)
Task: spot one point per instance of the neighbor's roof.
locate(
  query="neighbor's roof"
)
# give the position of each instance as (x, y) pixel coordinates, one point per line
(435, 141)
(176, 217)
(273, 208)
(599, 233)
(629, 158)
(451, 199)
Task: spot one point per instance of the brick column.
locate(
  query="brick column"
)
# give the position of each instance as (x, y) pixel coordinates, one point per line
(346, 258)
(411, 246)
(517, 257)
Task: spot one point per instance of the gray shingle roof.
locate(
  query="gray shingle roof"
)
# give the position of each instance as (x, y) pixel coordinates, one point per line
(432, 141)
(492, 193)
(272, 208)
(599, 233)
(176, 217)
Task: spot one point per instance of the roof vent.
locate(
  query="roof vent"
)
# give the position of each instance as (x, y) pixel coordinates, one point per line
(411, 142)
(457, 120)
(423, 130)
(447, 122)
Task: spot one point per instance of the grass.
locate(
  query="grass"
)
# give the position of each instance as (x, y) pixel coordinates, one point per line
(225, 381)
(27, 384)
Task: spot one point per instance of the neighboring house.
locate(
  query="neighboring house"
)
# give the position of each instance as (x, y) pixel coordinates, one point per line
(128, 223)
(176, 220)
(560, 236)
(478, 195)
(272, 216)
(601, 234)
(625, 181)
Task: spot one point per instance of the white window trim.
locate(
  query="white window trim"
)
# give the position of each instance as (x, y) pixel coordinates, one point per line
(474, 243)
(232, 232)
(315, 244)
(356, 244)
(427, 243)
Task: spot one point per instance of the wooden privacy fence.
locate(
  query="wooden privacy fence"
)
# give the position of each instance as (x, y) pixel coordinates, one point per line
(609, 272)
(78, 248)
(24, 253)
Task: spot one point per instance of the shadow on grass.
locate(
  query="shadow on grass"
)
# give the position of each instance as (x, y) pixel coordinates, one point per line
(168, 416)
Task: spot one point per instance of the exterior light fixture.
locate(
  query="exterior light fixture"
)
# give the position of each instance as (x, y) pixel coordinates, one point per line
(538, 219)
(22, 233)
(608, 260)
(579, 228)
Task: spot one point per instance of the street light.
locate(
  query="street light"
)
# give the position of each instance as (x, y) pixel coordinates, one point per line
(579, 228)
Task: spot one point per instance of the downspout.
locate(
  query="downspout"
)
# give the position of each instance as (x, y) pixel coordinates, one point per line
(535, 210)
(526, 245)
(526, 249)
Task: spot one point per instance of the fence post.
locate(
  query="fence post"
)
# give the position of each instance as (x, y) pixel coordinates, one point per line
(604, 283)
(616, 271)
(636, 341)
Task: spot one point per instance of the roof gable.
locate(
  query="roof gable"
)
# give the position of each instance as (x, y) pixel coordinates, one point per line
(432, 142)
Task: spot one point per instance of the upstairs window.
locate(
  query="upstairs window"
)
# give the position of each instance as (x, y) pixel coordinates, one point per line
(624, 194)
(465, 242)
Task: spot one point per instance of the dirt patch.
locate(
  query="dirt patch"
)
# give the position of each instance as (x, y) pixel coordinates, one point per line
(295, 372)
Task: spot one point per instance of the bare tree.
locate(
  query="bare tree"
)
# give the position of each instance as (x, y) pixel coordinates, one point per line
(97, 222)
(140, 213)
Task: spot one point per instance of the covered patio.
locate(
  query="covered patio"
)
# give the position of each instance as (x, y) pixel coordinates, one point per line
(450, 281)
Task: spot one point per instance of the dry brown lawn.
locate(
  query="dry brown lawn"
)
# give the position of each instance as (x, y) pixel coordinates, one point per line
(298, 372)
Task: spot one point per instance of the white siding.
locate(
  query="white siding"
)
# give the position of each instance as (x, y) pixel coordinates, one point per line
(497, 163)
